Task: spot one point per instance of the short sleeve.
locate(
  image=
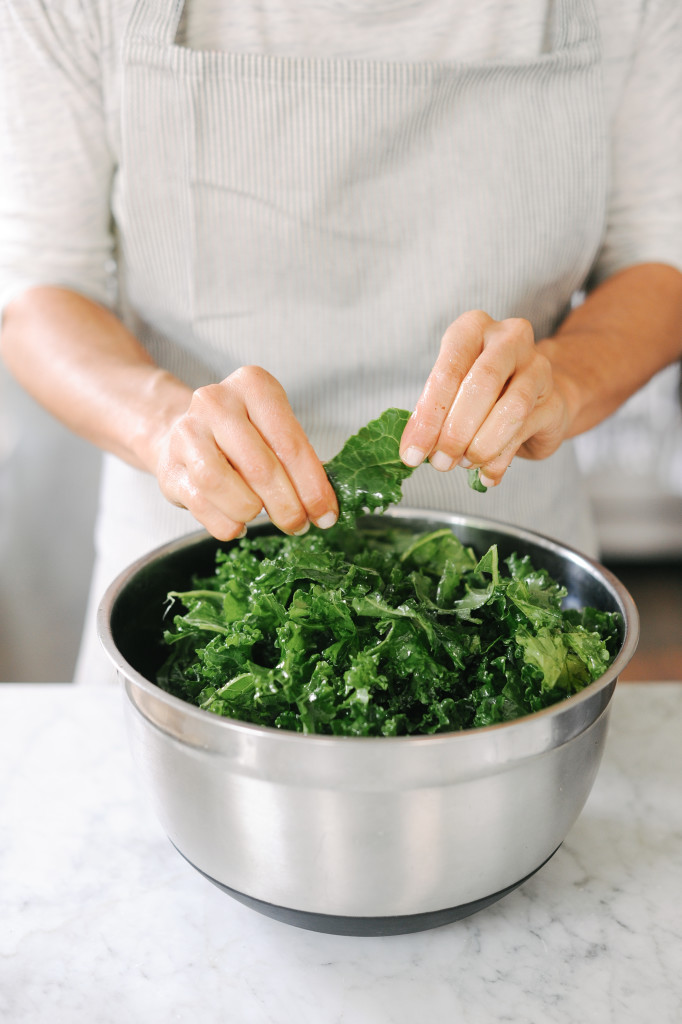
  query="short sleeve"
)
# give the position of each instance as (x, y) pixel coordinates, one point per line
(56, 164)
(644, 217)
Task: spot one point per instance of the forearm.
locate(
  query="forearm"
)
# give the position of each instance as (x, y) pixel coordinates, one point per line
(628, 329)
(79, 361)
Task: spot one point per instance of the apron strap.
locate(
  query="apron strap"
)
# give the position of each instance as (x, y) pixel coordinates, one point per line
(155, 21)
(576, 22)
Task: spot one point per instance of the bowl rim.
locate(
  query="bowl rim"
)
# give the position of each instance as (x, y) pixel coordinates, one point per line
(207, 720)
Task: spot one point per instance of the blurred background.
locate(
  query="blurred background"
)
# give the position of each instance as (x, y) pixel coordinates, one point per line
(48, 493)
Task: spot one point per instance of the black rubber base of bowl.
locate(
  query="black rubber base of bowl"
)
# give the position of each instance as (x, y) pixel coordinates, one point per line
(335, 924)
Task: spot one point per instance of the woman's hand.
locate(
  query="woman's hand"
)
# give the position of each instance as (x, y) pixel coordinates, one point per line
(490, 396)
(238, 449)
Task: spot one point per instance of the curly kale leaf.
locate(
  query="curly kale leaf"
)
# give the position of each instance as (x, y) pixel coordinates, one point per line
(367, 474)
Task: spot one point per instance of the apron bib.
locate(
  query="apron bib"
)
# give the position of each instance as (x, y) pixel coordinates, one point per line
(327, 219)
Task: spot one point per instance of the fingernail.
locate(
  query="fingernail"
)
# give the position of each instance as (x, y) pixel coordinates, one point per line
(413, 457)
(441, 462)
(303, 530)
(327, 520)
(242, 533)
(486, 481)
(464, 463)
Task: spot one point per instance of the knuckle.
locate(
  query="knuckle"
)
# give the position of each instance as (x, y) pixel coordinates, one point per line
(250, 508)
(453, 441)
(292, 522)
(517, 408)
(289, 448)
(231, 507)
(489, 373)
(477, 454)
(428, 419)
(476, 319)
(197, 504)
(286, 512)
(257, 473)
(519, 329)
(495, 460)
(519, 324)
(470, 325)
(253, 380)
(320, 502)
(482, 379)
(206, 400)
(205, 475)
(445, 379)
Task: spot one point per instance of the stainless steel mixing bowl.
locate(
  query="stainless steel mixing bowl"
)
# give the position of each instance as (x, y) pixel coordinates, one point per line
(370, 835)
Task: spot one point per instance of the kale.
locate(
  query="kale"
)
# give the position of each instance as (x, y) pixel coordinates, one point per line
(379, 633)
(362, 631)
(367, 474)
(475, 480)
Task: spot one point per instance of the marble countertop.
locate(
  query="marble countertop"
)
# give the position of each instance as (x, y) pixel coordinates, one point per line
(102, 921)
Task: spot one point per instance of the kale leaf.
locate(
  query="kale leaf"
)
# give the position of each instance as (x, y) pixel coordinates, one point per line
(475, 480)
(368, 473)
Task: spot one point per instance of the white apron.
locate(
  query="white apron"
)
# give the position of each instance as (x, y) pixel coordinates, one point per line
(327, 219)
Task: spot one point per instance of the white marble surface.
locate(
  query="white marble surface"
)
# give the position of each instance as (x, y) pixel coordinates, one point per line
(102, 921)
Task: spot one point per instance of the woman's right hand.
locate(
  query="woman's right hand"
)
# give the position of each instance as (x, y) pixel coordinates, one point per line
(238, 448)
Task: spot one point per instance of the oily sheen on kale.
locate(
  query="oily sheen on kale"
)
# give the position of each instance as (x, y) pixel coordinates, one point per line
(368, 631)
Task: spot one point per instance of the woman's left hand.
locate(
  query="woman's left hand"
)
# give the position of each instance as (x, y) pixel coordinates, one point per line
(490, 396)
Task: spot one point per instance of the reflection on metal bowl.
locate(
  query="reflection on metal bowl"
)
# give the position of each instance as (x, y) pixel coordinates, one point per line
(368, 836)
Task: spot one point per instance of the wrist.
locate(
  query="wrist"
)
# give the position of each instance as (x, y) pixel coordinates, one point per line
(163, 399)
(568, 386)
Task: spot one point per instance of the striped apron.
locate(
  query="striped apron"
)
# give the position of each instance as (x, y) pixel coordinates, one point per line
(327, 219)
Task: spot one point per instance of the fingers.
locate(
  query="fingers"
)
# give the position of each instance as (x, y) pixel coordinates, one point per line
(490, 391)
(517, 415)
(271, 452)
(239, 449)
(461, 345)
(198, 477)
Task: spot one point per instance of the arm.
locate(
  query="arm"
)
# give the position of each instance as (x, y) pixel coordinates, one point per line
(494, 393)
(223, 451)
(626, 331)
